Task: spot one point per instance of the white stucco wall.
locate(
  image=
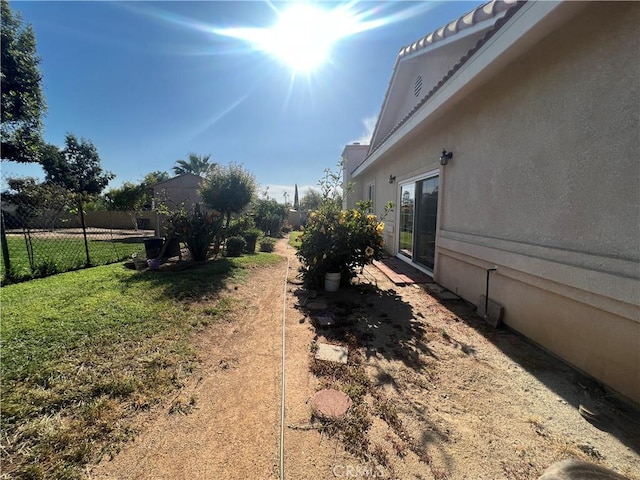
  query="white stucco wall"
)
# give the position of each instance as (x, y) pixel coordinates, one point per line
(352, 155)
(545, 184)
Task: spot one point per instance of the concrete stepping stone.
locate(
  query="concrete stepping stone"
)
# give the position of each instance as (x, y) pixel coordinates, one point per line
(331, 404)
(317, 306)
(332, 353)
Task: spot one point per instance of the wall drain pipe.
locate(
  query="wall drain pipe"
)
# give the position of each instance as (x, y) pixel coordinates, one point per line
(486, 292)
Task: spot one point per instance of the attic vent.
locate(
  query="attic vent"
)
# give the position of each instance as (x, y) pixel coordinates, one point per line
(418, 86)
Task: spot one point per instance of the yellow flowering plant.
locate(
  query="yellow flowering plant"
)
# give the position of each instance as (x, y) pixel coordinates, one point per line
(336, 240)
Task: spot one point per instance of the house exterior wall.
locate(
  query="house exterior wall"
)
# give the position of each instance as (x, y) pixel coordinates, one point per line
(431, 57)
(175, 192)
(352, 155)
(178, 190)
(544, 184)
(431, 68)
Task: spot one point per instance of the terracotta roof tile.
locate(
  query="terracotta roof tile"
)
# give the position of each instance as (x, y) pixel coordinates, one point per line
(468, 20)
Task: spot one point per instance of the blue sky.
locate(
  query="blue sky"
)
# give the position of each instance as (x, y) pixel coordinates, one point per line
(149, 82)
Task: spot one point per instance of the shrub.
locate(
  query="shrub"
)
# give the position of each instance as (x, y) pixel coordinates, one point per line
(267, 244)
(239, 226)
(269, 216)
(46, 269)
(235, 246)
(336, 240)
(251, 237)
(274, 225)
(197, 229)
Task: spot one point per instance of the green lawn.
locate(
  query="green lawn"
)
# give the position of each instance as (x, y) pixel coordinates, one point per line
(62, 255)
(294, 238)
(83, 351)
(406, 240)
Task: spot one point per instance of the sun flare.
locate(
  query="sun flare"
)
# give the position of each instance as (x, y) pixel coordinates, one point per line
(302, 37)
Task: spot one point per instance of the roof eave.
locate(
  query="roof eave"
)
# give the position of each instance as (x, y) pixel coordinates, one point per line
(479, 18)
(506, 43)
(173, 178)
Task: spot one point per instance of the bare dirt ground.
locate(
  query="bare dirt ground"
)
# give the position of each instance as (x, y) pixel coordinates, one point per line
(439, 395)
(93, 233)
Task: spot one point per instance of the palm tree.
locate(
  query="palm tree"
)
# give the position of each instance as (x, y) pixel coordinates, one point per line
(196, 164)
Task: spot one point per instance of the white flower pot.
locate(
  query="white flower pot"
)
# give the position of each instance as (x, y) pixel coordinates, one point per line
(331, 281)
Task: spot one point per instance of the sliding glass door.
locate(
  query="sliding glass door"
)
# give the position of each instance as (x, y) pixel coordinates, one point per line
(418, 220)
(407, 210)
(426, 216)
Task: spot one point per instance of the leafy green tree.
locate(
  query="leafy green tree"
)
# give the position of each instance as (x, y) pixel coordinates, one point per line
(240, 225)
(37, 205)
(336, 240)
(134, 198)
(77, 168)
(155, 177)
(229, 190)
(36, 200)
(269, 215)
(311, 201)
(130, 198)
(23, 103)
(196, 164)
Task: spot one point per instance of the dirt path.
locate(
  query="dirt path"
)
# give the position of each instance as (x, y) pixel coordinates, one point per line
(447, 396)
(233, 429)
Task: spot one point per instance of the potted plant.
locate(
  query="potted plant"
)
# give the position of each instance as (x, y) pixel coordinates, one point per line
(196, 228)
(251, 237)
(338, 242)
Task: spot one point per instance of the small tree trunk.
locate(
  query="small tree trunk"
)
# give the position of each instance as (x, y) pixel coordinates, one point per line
(84, 230)
(29, 246)
(5, 249)
(134, 219)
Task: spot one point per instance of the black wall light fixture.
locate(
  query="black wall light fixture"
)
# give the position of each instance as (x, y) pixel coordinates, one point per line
(392, 178)
(445, 157)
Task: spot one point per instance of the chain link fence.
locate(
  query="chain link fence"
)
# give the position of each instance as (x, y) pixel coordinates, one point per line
(44, 233)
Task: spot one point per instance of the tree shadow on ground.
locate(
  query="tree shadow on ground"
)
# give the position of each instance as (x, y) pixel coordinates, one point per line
(617, 417)
(378, 321)
(384, 327)
(137, 239)
(187, 280)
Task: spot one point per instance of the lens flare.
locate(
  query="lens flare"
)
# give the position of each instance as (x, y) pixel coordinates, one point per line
(302, 37)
